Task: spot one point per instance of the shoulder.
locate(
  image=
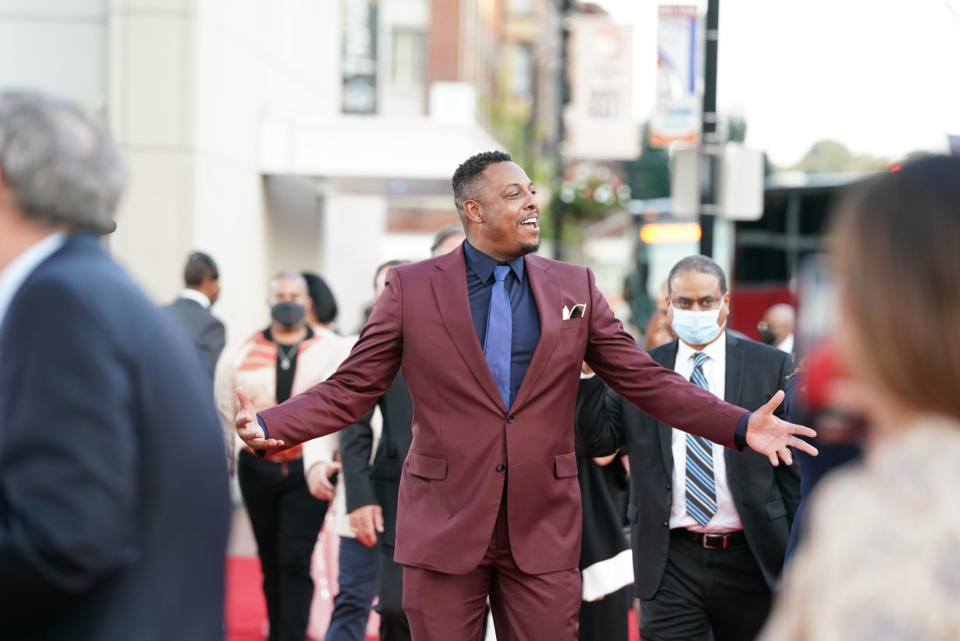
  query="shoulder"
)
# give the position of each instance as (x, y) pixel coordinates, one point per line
(415, 272)
(755, 349)
(325, 339)
(557, 266)
(82, 278)
(658, 352)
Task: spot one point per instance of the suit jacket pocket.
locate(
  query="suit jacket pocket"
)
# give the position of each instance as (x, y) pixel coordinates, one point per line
(775, 509)
(431, 468)
(565, 465)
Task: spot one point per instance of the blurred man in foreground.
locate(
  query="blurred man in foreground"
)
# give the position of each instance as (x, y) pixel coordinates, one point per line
(114, 508)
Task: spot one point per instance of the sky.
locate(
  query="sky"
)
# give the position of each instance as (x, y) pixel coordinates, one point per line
(880, 76)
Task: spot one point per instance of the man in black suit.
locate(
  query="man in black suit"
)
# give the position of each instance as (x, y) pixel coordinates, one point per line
(709, 525)
(372, 488)
(114, 505)
(192, 308)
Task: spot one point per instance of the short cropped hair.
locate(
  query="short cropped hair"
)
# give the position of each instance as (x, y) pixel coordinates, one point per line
(465, 177)
(387, 265)
(289, 274)
(699, 264)
(62, 167)
(199, 267)
(455, 229)
(324, 303)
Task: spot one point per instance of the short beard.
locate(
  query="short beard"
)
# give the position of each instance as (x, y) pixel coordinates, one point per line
(530, 249)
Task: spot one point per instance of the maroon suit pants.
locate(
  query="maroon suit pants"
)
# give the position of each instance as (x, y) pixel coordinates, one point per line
(525, 607)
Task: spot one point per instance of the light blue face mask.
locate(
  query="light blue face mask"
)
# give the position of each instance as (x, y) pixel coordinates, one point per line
(696, 328)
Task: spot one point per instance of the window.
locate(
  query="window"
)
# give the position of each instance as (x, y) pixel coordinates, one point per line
(521, 71)
(408, 59)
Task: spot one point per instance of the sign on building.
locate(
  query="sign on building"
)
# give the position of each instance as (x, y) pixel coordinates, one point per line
(600, 122)
(359, 60)
(676, 116)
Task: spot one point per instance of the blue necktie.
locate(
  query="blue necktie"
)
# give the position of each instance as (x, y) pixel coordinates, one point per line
(496, 343)
(701, 487)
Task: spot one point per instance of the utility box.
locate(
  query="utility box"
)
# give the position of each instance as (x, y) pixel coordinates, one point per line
(739, 188)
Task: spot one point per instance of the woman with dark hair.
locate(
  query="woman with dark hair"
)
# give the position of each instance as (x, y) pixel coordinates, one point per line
(879, 559)
(323, 312)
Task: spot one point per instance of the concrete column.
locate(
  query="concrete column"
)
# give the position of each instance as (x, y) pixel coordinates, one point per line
(351, 248)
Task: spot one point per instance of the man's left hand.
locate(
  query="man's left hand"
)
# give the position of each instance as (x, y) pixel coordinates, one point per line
(773, 437)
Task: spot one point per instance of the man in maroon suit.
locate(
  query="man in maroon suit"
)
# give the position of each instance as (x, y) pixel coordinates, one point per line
(491, 339)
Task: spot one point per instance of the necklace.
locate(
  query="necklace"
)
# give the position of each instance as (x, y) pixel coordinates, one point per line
(285, 355)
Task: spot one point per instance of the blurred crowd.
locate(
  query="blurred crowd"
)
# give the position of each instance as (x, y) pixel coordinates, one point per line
(701, 540)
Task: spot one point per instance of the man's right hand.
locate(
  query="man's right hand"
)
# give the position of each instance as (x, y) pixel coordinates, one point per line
(318, 479)
(248, 428)
(366, 522)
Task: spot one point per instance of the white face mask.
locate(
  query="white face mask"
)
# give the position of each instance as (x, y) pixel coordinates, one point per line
(696, 328)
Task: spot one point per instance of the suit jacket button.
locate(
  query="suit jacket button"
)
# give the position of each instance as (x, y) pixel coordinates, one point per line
(510, 419)
(666, 524)
(668, 486)
(501, 467)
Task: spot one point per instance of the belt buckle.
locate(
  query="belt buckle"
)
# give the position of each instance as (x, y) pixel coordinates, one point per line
(714, 541)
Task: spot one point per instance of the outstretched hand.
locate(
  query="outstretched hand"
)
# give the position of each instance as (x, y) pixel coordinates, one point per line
(248, 428)
(772, 436)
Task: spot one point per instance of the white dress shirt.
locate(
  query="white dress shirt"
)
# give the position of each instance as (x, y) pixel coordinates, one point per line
(197, 296)
(787, 344)
(726, 518)
(20, 268)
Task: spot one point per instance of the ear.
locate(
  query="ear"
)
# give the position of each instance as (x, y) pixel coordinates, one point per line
(471, 210)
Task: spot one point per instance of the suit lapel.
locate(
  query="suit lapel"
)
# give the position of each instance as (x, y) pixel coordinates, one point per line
(668, 358)
(449, 284)
(733, 386)
(546, 293)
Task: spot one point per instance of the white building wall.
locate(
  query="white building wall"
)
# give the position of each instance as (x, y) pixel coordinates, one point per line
(57, 46)
(192, 81)
(206, 98)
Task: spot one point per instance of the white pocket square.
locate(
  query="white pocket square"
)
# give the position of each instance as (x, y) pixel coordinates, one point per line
(577, 311)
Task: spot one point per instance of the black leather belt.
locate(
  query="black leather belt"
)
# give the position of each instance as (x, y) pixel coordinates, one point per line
(714, 540)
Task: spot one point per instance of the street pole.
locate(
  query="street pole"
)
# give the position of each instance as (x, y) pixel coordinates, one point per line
(709, 147)
(565, 8)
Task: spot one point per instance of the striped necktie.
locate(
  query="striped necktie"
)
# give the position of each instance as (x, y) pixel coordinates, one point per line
(701, 487)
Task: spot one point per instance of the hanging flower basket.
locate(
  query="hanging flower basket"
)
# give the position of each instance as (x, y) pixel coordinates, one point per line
(589, 192)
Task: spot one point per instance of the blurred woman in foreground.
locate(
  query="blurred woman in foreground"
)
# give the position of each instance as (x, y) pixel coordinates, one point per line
(881, 560)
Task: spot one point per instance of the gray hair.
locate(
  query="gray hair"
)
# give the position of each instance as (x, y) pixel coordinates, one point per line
(700, 264)
(289, 274)
(62, 168)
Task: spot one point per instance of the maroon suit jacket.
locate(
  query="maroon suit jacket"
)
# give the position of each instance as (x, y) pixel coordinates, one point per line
(466, 445)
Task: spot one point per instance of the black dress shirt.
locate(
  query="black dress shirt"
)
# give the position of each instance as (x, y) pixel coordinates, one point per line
(526, 318)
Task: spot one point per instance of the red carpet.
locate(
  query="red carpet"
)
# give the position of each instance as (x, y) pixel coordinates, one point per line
(246, 610)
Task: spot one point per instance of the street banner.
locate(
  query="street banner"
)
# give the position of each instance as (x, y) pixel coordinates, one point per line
(359, 60)
(599, 119)
(676, 116)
